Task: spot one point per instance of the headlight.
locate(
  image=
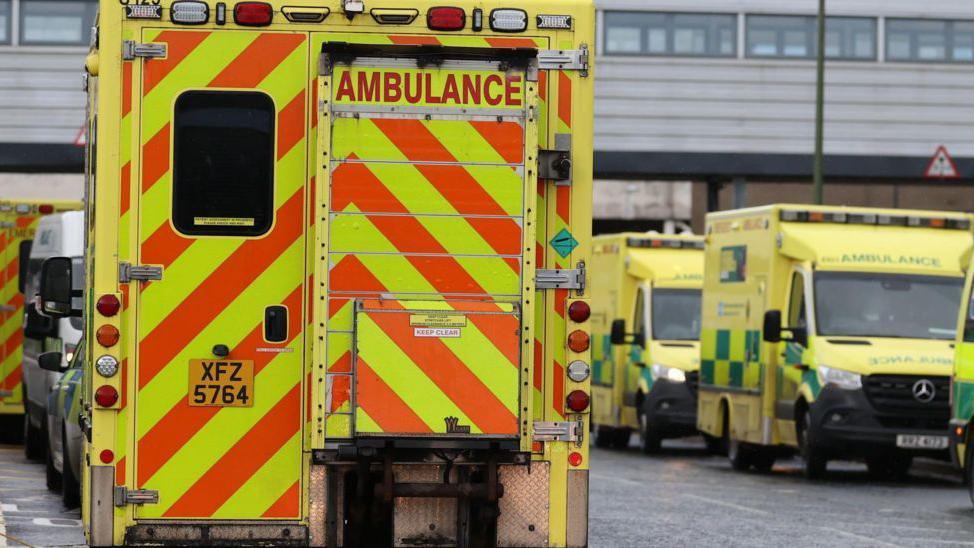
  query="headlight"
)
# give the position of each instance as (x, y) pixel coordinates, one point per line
(671, 374)
(839, 377)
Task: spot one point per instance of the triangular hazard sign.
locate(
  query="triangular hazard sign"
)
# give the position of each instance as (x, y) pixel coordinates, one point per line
(81, 139)
(942, 166)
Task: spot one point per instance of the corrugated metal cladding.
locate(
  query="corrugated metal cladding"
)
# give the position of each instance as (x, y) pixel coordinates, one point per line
(766, 106)
(41, 100)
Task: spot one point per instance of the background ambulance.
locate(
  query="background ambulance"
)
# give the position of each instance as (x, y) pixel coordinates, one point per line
(829, 330)
(646, 324)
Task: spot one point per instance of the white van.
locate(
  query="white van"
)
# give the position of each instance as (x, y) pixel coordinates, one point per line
(58, 235)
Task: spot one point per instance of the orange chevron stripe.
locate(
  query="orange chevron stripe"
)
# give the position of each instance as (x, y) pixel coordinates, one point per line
(506, 138)
(126, 88)
(25, 222)
(341, 386)
(511, 42)
(312, 115)
(565, 98)
(182, 422)
(120, 472)
(180, 43)
(287, 506)
(563, 196)
(424, 242)
(257, 60)
(450, 374)
(243, 460)
(561, 296)
(215, 293)
(382, 403)
(290, 125)
(164, 246)
(543, 85)
(14, 377)
(155, 158)
(13, 268)
(351, 275)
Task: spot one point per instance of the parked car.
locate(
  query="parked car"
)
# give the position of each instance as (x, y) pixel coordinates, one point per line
(58, 235)
(65, 437)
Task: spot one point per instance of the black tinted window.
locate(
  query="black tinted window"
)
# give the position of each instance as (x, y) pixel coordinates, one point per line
(223, 163)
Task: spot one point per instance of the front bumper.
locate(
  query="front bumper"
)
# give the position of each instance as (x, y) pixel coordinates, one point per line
(671, 409)
(845, 423)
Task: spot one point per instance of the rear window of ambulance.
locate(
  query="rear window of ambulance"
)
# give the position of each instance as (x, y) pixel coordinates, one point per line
(223, 163)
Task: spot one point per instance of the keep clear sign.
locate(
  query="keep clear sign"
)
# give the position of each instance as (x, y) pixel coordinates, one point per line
(437, 325)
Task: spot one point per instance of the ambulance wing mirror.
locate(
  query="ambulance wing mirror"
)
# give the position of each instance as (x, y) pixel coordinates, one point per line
(56, 292)
(24, 263)
(618, 334)
(772, 326)
(51, 361)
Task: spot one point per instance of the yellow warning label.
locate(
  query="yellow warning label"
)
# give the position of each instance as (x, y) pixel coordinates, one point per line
(437, 320)
(223, 221)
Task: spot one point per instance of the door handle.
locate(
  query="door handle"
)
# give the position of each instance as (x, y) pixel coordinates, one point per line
(275, 324)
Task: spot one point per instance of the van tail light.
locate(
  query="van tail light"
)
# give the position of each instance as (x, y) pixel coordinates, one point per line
(107, 456)
(578, 341)
(45, 209)
(577, 401)
(106, 396)
(107, 335)
(575, 458)
(445, 18)
(252, 14)
(579, 311)
(108, 305)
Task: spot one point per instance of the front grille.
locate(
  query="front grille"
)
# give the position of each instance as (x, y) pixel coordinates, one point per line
(693, 382)
(896, 393)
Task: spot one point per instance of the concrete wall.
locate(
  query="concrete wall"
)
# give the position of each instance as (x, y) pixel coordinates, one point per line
(41, 99)
(41, 186)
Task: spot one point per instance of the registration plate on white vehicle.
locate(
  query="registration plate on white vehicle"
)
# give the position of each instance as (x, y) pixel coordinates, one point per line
(913, 441)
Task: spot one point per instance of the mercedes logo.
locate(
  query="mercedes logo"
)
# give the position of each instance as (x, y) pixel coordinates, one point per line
(924, 391)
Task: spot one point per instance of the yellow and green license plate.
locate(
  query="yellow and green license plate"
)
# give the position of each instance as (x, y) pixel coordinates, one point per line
(221, 383)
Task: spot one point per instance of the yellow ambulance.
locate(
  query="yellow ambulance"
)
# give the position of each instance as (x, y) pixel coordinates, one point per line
(828, 330)
(962, 387)
(646, 324)
(337, 273)
(18, 222)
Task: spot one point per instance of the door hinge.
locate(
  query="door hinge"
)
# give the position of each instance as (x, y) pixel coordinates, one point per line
(132, 49)
(142, 273)
(556, 164)
(564, 59)
(124, 495)
(551, 278)
(571, 431)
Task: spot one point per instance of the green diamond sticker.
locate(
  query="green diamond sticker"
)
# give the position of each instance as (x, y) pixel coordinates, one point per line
(564, 243)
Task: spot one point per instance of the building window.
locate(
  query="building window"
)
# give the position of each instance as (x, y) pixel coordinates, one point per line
(674, 34)
(223, 163)
(796, 37)
(4, 21)
(928, 40)
(56, 22)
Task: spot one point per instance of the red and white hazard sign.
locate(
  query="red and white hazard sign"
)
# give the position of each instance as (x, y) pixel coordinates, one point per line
(942, 166)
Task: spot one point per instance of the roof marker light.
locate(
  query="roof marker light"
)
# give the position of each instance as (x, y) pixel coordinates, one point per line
(477, 21)
(394, 16)
(189, 12)
(221, 13)
(252, 14)
(305, 14)
(22, 208)
(353, 8)
(45, 209)
(508, 20)
(446, 18)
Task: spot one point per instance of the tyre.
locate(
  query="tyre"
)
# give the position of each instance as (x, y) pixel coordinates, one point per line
(650, 440)
(968, 462)
(35, 443)
(816, 462)
(763, 460)
(70, 486)
(603, 436)
(52, 476)
(739, 455)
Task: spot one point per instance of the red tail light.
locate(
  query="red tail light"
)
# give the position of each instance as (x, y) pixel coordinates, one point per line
(577, 401)
(107, 336)
(252, 14)
(578, 341)
(579, 311)
(107, 456)
(575, 458)
(446, 18)
(108, 305)
(106, 396)
(45, 209)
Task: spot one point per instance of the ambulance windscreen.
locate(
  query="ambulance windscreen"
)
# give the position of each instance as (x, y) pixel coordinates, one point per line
(676, 314)
(887, 305)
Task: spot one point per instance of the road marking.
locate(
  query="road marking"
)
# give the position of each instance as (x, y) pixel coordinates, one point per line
(9, 508)
(727, 504)
(57, 522)
(868, 540)
(618, 480)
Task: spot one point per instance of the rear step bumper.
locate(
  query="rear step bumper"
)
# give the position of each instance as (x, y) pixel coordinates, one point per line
(406, 449)
(177, 533)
